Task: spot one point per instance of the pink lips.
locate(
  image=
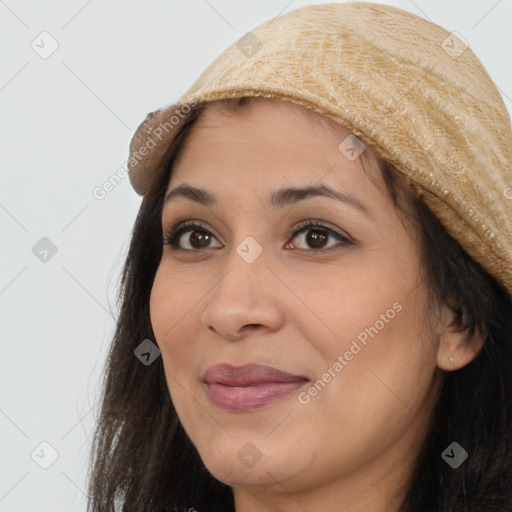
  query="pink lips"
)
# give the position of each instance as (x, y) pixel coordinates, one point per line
(251, 386)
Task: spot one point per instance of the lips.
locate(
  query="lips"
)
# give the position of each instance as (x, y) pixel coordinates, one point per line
(246, 375)
(247, 387)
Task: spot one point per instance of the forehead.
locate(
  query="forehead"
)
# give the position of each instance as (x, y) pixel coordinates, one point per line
(266, 139)
(287, 114)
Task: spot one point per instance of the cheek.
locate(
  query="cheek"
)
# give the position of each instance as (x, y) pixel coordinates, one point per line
(374, 316)
(160, 307)
(170, 304)
(359, 301)
(169, 319)
(170, 301)
(379, 392)
(389, 364)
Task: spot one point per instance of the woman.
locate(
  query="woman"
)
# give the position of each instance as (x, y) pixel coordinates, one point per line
(316, 304)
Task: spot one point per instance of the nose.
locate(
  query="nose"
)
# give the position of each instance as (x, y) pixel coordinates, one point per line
(245, 299)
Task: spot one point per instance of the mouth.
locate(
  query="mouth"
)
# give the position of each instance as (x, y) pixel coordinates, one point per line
(249, 387)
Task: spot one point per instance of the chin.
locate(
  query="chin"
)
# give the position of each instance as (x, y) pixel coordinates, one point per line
(244, 463)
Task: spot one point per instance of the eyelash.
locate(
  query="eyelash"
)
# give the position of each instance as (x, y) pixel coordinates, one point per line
(172, 236)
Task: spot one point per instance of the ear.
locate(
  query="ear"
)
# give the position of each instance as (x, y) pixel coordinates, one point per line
(457, 347)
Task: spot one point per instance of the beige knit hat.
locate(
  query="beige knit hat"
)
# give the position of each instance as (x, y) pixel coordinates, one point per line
(406, 87)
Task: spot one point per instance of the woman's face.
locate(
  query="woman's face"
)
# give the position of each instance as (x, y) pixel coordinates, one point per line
(336, 307)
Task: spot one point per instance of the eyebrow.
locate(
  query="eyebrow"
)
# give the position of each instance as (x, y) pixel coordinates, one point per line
(279, 199)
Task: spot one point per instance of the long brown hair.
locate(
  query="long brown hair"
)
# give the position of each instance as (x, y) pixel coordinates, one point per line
(143, 461)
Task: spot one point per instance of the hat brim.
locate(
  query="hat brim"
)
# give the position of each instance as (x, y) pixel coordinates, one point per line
(150, 143)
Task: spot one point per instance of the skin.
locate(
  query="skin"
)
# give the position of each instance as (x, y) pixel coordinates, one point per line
(298, 307)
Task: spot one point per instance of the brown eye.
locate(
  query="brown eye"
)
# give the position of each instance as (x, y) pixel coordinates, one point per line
(317, 236)
(199, 239)
(194, 237)
(190, 237)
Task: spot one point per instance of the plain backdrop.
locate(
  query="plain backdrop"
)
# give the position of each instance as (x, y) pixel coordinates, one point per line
(66, 122)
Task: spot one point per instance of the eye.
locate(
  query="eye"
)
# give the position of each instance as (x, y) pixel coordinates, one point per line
(198, 237)
(316, 236)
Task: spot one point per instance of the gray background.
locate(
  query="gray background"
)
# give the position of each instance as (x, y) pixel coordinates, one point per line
(66, 122)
